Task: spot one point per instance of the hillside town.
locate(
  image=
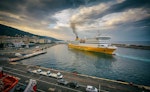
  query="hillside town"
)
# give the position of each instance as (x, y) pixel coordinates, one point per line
(21, 41)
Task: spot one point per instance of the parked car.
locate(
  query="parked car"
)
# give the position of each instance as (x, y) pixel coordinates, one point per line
(91, 89)
(62, 82)
(73, 84)
(39, 71)
(48, 73)
(59, 75)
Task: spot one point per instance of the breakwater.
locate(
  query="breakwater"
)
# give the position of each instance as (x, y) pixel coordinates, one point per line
(133, 46)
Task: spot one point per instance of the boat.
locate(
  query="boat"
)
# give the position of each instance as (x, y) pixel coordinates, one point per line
(8, 83)
(96, 44)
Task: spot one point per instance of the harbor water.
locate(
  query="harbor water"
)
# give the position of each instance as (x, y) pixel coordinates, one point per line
(130, 65)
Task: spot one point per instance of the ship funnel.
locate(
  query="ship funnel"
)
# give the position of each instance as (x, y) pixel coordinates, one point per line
(77, 38)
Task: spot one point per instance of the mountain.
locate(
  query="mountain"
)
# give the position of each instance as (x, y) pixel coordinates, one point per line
(9, 31)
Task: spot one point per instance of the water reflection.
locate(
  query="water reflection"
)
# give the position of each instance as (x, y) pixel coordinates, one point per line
(91, 63)
(93, 54)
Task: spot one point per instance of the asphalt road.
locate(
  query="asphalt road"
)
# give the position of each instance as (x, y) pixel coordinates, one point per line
(44, 83)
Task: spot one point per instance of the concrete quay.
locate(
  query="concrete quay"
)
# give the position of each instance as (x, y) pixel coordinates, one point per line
(10, 52)
(49, 84)
(27, 56)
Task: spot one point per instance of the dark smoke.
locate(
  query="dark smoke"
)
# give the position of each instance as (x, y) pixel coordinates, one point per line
(73, 26)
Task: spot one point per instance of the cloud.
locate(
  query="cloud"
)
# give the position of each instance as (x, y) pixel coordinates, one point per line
(11, 15)
(52, 17)
(128, 16)
(128, 4)
(86, 17)
(62, 18)
(85, 12)
(114, 20)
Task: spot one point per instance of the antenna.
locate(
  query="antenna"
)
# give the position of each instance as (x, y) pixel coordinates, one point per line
(99, 29)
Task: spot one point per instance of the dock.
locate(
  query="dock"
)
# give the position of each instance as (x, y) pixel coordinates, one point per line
(27, 56)
(49, 84)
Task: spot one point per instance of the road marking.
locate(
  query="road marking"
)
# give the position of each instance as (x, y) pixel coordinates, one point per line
(15, 69)
(43, 81)
(82, 86)
(39, 77)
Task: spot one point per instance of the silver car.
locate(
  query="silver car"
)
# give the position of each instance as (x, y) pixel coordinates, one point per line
(91, 89)
(62, 82)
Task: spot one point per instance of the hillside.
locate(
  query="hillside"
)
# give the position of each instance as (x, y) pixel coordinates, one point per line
(9, 31)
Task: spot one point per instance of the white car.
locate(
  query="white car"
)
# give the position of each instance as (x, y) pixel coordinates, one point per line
(48, 73)
(91, 89)
(39, 71)
(56, 75)
(59, 75)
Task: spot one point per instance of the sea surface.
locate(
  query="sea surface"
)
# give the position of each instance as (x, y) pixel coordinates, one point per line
(131, 65)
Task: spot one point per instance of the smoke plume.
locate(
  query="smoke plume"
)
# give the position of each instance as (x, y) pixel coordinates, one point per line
(85, 14)
(73, 26)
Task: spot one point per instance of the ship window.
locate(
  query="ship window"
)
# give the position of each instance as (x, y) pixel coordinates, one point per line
(101, 45)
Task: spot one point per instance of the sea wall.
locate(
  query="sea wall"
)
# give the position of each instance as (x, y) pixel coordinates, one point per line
(133, 46)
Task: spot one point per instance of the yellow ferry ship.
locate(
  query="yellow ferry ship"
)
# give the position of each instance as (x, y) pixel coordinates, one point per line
(97, 44)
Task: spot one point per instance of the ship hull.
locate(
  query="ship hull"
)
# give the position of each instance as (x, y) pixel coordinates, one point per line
(92, 49)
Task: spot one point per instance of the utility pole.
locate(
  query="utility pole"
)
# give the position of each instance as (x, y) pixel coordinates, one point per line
(99, 87)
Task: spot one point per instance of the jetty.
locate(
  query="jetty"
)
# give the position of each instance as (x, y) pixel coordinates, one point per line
(27, 56)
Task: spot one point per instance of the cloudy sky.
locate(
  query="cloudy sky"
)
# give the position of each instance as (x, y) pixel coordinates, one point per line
(121, 19)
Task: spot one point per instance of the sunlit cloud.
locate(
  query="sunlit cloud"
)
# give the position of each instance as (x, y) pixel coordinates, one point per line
(82, 16)
(62, 18)
(114, 20)
(120, 1)
(85, 12)
(131, 15)
(11, 15)
(37, 31)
